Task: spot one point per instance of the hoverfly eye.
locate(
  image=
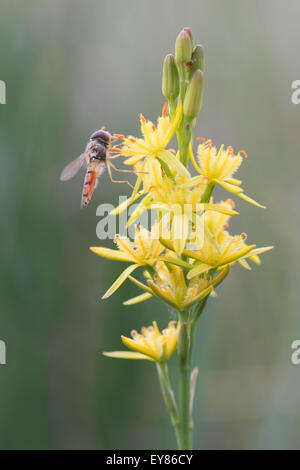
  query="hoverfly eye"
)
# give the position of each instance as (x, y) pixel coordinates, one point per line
(102, 135)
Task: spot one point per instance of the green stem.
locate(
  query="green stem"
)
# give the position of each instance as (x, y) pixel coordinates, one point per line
(168, 394)
(194, 322)
(184, 411)
(207, 193)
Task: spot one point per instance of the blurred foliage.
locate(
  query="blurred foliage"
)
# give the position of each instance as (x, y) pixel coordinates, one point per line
(72, 66)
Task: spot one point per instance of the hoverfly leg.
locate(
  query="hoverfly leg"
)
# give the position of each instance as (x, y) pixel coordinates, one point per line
(116, 181)
(122, 171)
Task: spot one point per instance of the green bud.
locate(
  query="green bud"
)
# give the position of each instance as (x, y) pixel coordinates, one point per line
(193, 97)
(197, 61)
(184, 46)
(183, 342)
(170, 78)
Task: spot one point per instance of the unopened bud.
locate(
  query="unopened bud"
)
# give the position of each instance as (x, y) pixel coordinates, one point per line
(183, 342)
(184, 46)
(170, 78)
(193, 97)
(197, 61)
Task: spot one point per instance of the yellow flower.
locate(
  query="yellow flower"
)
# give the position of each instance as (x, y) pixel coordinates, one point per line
(226, 250)
(151, 344)
(169, 284)
(179, 206)
(219, 166)
(143, 251)
(153, 145)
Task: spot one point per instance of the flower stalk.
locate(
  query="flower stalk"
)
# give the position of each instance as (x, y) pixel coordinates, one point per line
(188, 252)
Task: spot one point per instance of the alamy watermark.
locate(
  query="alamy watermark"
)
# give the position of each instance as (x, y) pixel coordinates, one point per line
(2, 353)
(295, 357)
(2, 92)
(295, 97)
(176, 221)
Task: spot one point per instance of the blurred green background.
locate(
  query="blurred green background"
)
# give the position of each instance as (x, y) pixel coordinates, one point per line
(71, 66)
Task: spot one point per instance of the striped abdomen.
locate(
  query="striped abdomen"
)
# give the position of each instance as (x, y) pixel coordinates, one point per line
(90, 180)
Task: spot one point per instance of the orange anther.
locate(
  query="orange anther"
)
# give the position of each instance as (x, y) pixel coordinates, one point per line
(242, 152)
(230, 150)
(231, 203)
(132, 139)
(113, 150)
(164, 110)
(142, 118)
(119, 136)
(153, 127)
(103, 128)
(201, 139)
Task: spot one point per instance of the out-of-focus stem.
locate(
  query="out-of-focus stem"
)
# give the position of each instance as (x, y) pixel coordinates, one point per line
(164, 379)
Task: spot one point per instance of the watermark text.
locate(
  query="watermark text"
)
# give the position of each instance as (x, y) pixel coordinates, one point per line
(2, 92)
(295, 357)
(2, 353)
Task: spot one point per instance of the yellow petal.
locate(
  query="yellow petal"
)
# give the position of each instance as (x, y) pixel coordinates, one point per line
(199, 297)
(176, 261)
(219, 208)
(199, 269)
(138, 299)
(192, 182)
(229, 187)
(259, 251)
(111, 254)
(169, 159)
(239, 254)
(180, 231)
(139, 180)
(192, 158)
(160, 294)
(125, 204)
(249, 199)
(233, 181)
(131, 344)
(133, 160)
(218, 279)
(174, 124)
(244, 264)
(139, 210)
(140, 284)
(126, 355)
(120, 280)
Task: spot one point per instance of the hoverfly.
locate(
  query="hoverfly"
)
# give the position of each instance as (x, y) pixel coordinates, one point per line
(96, 158)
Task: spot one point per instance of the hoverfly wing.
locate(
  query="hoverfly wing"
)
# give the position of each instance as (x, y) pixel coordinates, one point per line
(72, 168)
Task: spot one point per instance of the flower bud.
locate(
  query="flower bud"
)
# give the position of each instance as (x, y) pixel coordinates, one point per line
(183, 342)
(197, 61)
(170, 78)
(193, 97)
(184, 46)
